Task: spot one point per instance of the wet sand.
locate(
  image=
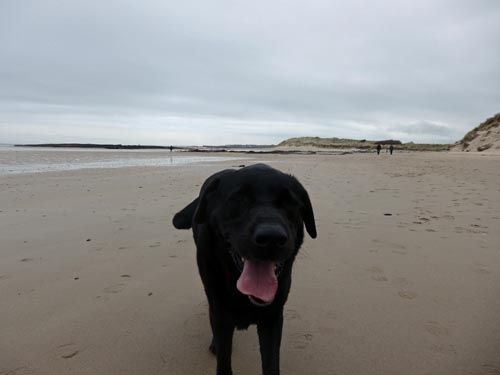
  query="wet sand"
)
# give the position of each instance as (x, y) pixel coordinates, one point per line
(404, 277)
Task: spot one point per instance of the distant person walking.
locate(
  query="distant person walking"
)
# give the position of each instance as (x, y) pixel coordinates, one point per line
(171, 148)
(391, 148)
(378, 149)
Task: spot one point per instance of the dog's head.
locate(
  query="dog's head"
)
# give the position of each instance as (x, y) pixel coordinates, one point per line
(260, 213)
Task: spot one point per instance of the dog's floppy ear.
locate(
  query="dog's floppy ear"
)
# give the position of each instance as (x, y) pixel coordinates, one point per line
(184, 218)
(306, 210)
(208, 188)
(197, 209)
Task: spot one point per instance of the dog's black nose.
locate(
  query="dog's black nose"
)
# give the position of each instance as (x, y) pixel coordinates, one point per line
(270, 235)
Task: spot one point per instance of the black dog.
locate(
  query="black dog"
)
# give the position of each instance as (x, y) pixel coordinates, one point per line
(248, 228)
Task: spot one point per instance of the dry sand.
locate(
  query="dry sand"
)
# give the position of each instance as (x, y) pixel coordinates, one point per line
(95, 280)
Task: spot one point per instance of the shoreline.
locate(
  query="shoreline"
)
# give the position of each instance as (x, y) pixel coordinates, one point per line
(117, 159)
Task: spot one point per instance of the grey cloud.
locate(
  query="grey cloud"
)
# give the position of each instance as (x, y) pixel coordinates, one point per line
(325, 68)
(424, 131)
(423, 128)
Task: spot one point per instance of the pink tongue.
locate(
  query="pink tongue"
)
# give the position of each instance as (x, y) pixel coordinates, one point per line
(258, 280)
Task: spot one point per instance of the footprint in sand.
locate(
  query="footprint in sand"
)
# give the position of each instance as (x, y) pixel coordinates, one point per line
(491, 369)
(193, 325)
(115, 288)
(374, 269)
(378, 273)
(329, 330)
(291, 315)
(482, 269)
(479, 226)
(407, 294)
(401, 281)
(398, 246)
(28, 260)
(436, 329)
(444, 349)
(68, 351)
(399, 252)
(301, 341)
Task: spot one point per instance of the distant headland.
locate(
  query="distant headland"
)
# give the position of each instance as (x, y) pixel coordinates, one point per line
(301, 145)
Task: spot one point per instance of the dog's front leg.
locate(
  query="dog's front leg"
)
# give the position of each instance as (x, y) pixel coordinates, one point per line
(222, 343)
(270, 341)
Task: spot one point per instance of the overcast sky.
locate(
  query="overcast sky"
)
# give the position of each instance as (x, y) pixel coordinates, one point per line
(234, 71)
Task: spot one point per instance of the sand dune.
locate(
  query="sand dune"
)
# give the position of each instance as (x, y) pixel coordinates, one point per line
(483, 138)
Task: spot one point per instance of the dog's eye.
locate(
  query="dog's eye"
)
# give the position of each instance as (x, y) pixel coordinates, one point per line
(285, 198)
(288, 203)
(237, 205)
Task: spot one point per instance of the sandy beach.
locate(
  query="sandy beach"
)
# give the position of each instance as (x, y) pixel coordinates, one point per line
(404, 277)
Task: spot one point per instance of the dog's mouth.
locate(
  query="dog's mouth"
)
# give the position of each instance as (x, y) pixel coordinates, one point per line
(258, 279)
(258, 302)
(239, 262)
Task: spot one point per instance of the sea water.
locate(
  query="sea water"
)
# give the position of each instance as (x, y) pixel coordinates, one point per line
(18, 160)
